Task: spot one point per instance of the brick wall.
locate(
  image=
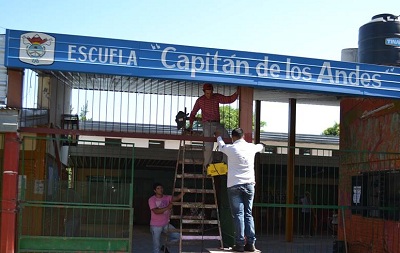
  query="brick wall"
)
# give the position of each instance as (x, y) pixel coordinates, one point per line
(369, 135)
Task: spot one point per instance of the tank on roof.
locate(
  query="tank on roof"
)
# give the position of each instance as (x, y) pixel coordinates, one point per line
(379, 40)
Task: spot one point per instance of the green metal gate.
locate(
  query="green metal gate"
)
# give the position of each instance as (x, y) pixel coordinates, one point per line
(84, 204)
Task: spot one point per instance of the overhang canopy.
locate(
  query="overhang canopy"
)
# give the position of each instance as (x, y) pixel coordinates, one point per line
(178, 69)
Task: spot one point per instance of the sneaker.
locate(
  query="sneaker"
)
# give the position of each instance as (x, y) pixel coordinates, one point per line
(164, 250)
(238, 248)
(249, 247)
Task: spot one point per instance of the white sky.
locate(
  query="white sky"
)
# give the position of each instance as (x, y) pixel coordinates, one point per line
(306, 28)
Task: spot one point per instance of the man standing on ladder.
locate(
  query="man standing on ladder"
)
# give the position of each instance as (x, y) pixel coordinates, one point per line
(241, 187)
(209, 105)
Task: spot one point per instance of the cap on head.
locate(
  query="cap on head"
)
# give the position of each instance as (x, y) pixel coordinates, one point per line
(207, 86)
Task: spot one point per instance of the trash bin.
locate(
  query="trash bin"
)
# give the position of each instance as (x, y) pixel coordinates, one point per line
(225, 216)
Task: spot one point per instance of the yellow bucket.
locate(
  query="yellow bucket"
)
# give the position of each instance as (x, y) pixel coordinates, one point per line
(217, 169)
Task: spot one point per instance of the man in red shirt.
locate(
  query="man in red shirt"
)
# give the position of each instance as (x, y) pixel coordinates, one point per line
(209, 105)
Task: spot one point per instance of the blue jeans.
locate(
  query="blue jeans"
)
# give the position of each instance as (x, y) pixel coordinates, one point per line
(241, 203)
(156, 233)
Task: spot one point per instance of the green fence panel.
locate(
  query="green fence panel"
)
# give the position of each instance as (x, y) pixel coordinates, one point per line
(84, 205)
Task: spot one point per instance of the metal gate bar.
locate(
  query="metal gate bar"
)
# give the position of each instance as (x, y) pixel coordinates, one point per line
(84, 207)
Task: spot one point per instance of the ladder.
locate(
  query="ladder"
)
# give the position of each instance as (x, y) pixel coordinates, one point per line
(197, 212)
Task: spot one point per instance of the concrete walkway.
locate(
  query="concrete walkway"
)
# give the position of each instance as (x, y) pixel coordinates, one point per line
(142, 243)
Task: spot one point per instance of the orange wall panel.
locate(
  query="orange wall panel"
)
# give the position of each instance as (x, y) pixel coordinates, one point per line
(369, 131)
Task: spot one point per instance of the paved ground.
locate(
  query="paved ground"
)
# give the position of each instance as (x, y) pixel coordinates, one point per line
(266, 244)
(226, 250)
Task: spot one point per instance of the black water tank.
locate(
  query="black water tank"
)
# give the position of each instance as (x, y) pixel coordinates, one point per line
(379, 40)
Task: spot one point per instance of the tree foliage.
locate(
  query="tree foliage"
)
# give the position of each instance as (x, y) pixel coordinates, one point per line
(333, 130)
(83, 113)
(229, 116)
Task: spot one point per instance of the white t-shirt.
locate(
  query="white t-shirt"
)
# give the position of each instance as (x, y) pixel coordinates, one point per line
(240, 160)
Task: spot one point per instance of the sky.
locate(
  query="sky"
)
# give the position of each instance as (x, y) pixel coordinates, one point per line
(306, 28)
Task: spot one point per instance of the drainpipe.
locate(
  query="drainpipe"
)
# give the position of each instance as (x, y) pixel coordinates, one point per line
(9, 198)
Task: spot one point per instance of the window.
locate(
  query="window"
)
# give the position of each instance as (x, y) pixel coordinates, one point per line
(377, 194)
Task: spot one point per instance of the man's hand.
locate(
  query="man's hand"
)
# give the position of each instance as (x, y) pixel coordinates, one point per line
(170, 206)
(217, 133)
(183, 193)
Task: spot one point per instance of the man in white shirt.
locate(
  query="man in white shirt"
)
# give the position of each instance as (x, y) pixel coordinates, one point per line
(241, 182)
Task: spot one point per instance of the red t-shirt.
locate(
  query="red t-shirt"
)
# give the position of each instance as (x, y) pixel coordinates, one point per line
(210, 106)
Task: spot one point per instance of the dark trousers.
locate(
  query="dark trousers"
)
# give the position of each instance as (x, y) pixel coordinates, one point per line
(307, 223)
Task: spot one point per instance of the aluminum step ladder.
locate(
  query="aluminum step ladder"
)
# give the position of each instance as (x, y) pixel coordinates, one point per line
(197, 212)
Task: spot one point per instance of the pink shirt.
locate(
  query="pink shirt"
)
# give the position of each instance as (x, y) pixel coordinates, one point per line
(163, 218)
(210, 107)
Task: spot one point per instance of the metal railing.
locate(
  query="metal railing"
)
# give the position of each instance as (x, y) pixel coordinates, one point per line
(84, 205)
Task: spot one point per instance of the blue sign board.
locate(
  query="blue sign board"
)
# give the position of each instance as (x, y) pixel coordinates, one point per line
(59, 52)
